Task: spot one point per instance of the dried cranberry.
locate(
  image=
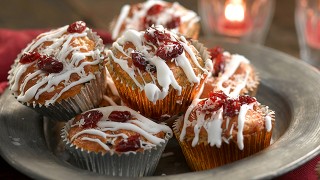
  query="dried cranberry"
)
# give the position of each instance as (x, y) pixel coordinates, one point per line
(231, 107)
(49, 64)
(120, 116)
(175, 22)
(245, 99)
(147, 22)
(155, 9)
(155, 36)
(140, 62)
(218, 59)
(169, 50)
(131, 144)
(77, 27)
(91, 118)
(214, 102)
(29, 57)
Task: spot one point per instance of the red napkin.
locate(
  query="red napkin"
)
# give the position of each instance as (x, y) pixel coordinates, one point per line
(13, 41)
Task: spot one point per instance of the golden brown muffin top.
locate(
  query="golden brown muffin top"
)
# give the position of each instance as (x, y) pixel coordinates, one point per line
(56, 64)
(156, 60)
(115, 129)
(140, 16)
(219, 118)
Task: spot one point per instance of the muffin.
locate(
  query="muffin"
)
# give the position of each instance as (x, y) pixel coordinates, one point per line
(157, 72)
(60, 74)
(219, 130)
(143, 15)
(232, 73)
(116, 140)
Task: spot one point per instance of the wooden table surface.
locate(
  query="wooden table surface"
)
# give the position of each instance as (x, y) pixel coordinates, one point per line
(28, 14)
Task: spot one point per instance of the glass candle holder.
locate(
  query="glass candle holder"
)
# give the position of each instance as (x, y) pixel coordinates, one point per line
(237, 20)
(307, 21)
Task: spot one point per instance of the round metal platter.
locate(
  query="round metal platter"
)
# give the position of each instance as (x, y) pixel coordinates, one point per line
(31, 143)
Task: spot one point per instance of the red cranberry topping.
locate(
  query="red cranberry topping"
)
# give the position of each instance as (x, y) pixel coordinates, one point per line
(231, 107)
(147, 22)
(140, 62)
(246, 99)
(29, 57)
(218, 59)
(77, 27)
(91, 118)
(131, 144)
(214, 102)
(49, 64)
(155, 36)
(175, 22)
(169, 50)
(120, 116)
(155, 9)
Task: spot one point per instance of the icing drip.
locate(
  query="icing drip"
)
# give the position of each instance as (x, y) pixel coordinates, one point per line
(234, 61)
(134, 20)
(108, 129)
(241, 118)
(61, 45)
(164, 76)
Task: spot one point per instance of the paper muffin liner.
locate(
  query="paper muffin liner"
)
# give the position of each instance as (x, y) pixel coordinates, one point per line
(173, 104)
(203, 156)
(130, 164)
(89, 96)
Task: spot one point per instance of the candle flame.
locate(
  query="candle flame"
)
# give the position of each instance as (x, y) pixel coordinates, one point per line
(235, 10)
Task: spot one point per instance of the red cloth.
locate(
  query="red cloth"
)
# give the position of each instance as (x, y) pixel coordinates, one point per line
(13, 41)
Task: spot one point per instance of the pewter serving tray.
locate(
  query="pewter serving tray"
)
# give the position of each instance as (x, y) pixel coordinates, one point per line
(31, 143)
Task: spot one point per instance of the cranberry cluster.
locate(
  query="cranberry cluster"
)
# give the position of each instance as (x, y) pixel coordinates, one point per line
(44, 62)
(167, 48)
(139, 61)
(155, 10)
(77, 27)
(218, 60)
(91, 118)
(231, 107)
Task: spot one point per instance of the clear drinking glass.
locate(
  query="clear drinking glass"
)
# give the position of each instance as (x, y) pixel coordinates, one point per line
(237, 20)
(307, 21)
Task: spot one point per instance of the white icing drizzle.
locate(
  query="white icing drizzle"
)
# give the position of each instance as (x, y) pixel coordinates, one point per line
(123, 14)
(164, 76)
(135, 20)
(61, 46)
(137, 123)
(233, 62)
(241, 119)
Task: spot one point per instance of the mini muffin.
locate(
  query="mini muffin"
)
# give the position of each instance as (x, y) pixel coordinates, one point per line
(219, 130)
(232, 73)
(143, 15)
(60, 73)
(157, 72)
(116, 140)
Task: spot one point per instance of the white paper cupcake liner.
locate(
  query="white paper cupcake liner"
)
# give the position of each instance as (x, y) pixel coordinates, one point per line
(89, 97)
(130, 164)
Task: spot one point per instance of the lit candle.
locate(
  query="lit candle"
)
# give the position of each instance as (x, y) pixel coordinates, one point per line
(313, 30)
(235, 21)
